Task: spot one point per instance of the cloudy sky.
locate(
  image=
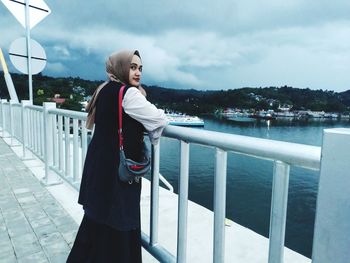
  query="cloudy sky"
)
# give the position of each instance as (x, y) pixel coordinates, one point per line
(223, 44)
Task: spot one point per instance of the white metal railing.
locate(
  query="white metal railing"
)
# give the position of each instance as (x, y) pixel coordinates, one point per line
(283, 154)
(45, 131)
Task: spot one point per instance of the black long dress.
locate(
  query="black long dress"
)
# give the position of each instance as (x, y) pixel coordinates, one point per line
(110, 230)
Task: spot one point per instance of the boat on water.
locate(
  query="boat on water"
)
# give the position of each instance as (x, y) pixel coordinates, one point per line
(184, 120)
(264, 115)
(241, 119)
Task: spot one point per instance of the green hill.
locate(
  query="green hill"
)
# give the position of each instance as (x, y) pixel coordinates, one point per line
(190, 101)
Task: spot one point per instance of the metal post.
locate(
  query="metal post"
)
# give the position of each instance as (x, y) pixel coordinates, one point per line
(220, 206)
(67, 147)
(183, 203)
(54, 137)
(42, 132)
(36, 131)
(5, 116)
(278, 211)
(29, 52)
(83, 142)
(11, 122)
(75, 151)
(25, 130)
(154, 195)
(48, 154)
(332, 225)
(60, 143)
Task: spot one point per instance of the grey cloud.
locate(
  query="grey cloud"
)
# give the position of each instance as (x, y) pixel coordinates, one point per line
(200, 44)
(226, 17)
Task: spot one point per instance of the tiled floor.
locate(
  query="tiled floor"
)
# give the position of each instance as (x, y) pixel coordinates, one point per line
(33, 225)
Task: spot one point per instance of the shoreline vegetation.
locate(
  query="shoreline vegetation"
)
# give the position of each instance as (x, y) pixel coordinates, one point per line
(254, 102)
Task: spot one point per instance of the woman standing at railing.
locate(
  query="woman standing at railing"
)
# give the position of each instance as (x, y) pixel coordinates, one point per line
(110, 229)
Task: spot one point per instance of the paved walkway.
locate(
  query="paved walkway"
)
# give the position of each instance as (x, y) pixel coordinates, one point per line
(34, 228)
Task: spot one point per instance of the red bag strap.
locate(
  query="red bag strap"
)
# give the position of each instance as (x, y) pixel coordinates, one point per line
(120, 130)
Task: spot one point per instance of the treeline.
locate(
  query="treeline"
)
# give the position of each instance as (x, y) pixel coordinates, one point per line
(194, 101)
(45, 87)
(187, 100)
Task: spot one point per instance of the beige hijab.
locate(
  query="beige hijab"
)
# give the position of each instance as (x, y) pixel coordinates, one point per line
(117, 69)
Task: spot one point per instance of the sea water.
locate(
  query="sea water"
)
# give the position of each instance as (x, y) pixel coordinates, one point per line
(249, 180)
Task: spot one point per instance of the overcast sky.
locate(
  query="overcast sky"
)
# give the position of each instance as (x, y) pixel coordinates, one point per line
(198, 44)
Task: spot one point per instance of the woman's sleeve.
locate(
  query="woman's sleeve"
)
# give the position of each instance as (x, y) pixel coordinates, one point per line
(139, 108)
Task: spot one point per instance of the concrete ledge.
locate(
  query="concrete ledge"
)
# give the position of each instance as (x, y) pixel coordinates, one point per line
(242, 244)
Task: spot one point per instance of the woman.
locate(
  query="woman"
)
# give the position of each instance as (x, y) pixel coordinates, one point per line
(110, 229)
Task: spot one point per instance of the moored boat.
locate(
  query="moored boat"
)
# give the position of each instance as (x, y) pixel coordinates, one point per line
(184, 120)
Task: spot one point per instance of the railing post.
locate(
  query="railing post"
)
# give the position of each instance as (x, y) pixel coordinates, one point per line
(83, 142)
(75, 150)
(154, 195)
(11, 131)
(183, 202)
(278, 211)
(60, 144)
(332, 224)
(67, 147)
(48, 154)
(25, 129)
(220, 206)
(3, 113)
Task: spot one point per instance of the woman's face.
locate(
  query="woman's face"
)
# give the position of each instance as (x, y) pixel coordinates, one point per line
(135, 71)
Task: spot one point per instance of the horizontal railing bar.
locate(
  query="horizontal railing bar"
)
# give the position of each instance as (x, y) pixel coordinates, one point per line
(157, 251)
(302, 155)
(166, 183)
(69, 113)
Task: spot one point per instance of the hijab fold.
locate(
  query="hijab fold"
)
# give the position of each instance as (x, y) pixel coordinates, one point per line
(117, 69)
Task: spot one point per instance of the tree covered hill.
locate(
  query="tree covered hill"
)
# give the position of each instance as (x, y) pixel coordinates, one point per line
(187, 100)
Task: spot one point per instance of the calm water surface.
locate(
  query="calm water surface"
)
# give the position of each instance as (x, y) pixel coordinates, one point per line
(249, 180)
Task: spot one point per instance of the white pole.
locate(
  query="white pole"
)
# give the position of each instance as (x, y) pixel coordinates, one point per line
(8, 79)
(29, 53)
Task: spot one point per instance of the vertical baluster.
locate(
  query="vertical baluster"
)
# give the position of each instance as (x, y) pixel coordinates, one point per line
(67, 146)
(25, 131)
(75, 150)
(60, 144)
(36, 131)
(154, 195)
(278, 211)
(83, 142)
(38, 135)
(17, 123)
(54, 138)
(183, 203)
(11, 122)
(32, 130)
(42, 134)
(220, 206)
(47, 146)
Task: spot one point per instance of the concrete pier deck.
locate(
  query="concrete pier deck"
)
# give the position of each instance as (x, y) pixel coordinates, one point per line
(38, 223)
